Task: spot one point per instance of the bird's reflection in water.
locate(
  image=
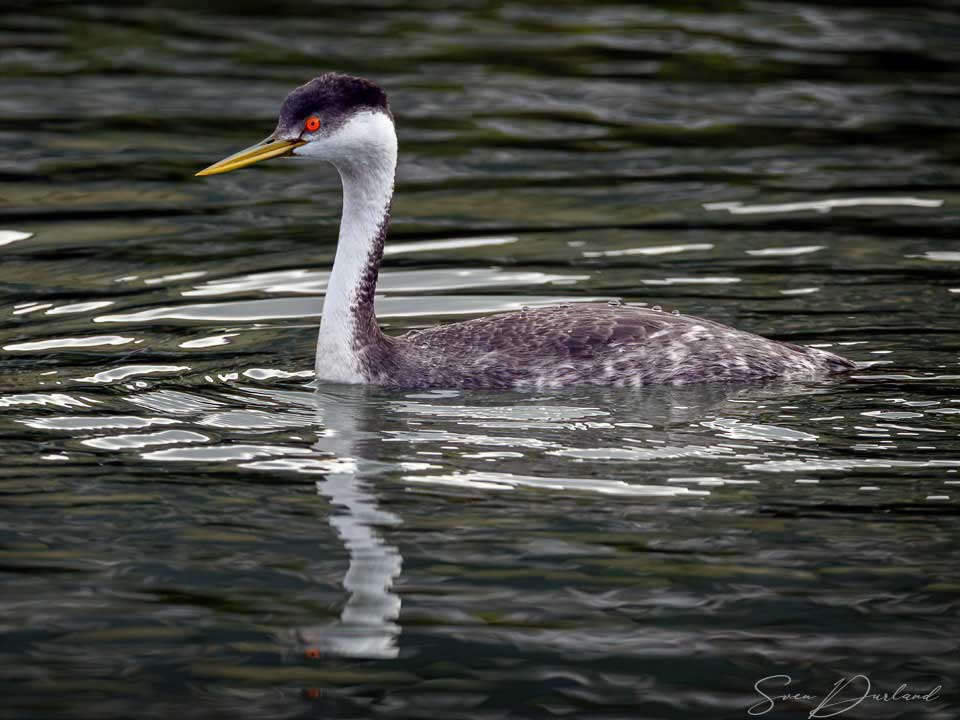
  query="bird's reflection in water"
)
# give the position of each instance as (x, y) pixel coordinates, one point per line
(368, 626)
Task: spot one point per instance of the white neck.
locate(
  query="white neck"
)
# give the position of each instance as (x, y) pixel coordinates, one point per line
(364, 151)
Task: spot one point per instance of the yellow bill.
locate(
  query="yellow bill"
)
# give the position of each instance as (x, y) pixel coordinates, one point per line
(269, 148)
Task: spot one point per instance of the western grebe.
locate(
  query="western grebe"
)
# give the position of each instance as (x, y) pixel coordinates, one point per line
(347, 122)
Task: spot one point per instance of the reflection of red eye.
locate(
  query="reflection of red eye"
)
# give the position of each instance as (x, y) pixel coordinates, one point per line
(312, 124)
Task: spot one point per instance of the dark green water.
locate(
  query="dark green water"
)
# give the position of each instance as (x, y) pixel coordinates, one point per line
(188, 529)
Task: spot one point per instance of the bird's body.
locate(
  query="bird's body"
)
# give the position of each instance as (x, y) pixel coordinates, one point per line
(592, 343)
(347, 122)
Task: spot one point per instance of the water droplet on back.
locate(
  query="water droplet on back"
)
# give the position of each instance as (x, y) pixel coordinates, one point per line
(657, 308)
(674, 312)
(525, 308)
(615, 303)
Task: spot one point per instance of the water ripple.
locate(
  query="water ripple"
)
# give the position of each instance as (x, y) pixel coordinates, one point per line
(198, 529)
(506, 481)
(823, 206)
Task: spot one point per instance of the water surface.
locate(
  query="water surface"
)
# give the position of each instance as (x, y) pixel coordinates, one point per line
(190, 527)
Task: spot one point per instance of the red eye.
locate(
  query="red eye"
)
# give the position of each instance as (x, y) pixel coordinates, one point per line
(312, 124)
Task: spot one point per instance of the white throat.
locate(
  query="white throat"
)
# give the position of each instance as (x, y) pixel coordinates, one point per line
(364, 151)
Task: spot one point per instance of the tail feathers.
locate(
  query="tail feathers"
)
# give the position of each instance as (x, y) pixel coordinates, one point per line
(833, 363)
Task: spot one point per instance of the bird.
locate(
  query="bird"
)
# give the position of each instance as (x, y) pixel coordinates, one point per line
(347, 122)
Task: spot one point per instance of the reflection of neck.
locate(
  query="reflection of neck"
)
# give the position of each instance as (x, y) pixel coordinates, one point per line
(367, 626)
(367, 623)
(349, 323)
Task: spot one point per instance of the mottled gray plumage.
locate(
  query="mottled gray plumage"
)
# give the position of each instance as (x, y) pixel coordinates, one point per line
(596, 344)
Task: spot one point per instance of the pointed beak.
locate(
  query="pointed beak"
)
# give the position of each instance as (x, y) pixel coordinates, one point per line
(269, 148)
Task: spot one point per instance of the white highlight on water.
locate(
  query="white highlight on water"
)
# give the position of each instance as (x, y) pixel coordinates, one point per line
(54, 343)
(11, 236)
(822, 206)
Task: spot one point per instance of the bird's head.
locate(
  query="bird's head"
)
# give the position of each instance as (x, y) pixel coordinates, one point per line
(338, 118)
